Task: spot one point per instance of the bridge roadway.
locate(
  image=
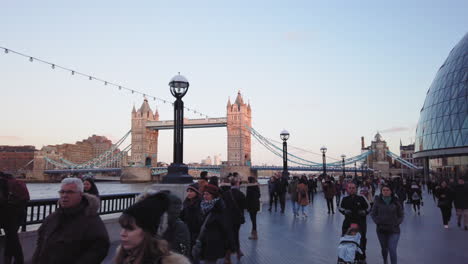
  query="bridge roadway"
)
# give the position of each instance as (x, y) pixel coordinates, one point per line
(284, 239)
(188, 123)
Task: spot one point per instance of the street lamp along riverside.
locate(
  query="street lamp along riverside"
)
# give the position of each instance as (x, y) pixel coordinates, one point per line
(343, 157)
(284, 135)
(177, 172)
(324, 150)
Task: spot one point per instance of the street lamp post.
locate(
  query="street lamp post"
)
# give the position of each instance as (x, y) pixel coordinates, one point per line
(355, 170)
(177, 172)
(284, 135)
(324, 150)
(343, 156)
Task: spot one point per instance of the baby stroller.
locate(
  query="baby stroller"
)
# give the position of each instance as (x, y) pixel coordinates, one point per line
(348, 249)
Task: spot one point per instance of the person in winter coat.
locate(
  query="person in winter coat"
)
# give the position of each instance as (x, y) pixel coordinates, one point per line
(235, 203)
(388, 214)
(191, 213)
(339, 189)
(253, 205)
(329, 191)
(292, 190)
(14, 196)
(445, 199)
(310, 187)
(74, 233)
(355, 209)
(282, 186)
(302, 195)
(139, 241)
(416, 197)
(90, 186)
(366, 191)
(273, 193)
(461, 202)
(215, 238)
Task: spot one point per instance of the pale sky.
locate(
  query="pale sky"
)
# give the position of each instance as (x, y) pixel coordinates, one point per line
(329, 72)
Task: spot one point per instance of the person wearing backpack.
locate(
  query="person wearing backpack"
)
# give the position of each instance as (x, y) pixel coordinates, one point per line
(13, 216)
(416, 198)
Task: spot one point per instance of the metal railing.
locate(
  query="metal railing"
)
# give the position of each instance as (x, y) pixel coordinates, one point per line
(38, 210)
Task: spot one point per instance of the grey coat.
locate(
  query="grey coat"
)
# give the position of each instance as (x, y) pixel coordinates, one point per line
(387, 217)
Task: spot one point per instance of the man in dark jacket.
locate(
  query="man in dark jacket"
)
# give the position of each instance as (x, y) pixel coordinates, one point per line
(355, 209)
(461, 202)
(14, 197)
(282, 187)
(74, 233)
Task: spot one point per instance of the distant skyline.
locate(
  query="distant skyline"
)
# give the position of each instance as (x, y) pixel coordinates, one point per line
(328, 72)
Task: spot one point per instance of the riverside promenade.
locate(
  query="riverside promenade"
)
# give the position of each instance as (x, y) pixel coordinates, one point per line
(284, 239)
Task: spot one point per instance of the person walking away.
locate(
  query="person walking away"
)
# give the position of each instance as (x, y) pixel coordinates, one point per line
(74, 233)
(310, 187)
(235, 203)
(444, 202)
(329, 192)
(139, 241)
(292, 190)
(282, 185)
(215, 239)
(253, 205)
(273, 193)
(202, 181)
(388, 214)
(461, 203)
(15, 196)
(416, 198)
(355, 209)
(302, 195)
(191, 213)
(314, 187)
(90, 186)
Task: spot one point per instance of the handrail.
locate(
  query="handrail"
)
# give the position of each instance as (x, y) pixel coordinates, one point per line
(37, 210)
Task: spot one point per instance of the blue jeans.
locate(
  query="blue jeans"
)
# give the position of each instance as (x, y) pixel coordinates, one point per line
(388, 243)
(295, 207)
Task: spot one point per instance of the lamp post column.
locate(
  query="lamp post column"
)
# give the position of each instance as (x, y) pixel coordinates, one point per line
(284, 135)
(324, 160)
(343, 164)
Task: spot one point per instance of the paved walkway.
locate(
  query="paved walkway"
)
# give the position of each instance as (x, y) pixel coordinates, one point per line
(284, 239)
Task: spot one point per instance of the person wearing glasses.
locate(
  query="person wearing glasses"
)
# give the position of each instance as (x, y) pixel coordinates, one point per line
(74, 233)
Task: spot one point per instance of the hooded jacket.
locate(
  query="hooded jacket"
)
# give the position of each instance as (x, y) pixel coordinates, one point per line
(73, 235)
(460, 193)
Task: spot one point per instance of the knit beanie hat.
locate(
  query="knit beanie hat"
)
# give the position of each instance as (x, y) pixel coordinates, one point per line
(194, 187)
(149, 212)
(212, 189)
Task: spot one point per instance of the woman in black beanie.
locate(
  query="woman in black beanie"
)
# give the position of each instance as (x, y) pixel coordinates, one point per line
(140, 243)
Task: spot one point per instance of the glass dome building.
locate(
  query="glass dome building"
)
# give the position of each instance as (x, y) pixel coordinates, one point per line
(442, 130)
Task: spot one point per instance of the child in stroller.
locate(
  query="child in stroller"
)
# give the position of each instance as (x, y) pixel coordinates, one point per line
(349, 246)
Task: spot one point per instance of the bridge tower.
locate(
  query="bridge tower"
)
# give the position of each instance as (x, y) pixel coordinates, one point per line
(378, 160)
(239, 116)
(144, 140)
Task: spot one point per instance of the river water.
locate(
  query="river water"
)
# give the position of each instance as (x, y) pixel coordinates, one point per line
(49, 190)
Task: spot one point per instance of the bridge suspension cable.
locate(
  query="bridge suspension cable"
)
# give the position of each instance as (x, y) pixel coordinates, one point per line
(402, 161)
(93, 78)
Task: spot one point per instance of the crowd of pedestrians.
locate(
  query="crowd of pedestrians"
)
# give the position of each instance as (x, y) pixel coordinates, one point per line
(204, 227)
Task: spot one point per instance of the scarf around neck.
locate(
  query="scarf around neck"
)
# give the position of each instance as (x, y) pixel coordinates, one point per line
(206, 206)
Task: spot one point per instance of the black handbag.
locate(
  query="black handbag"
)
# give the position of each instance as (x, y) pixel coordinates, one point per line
(197, 248)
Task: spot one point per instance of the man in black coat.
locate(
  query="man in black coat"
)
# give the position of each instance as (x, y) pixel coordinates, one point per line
(74, 233)
(461, 202)
(355, 208)
(282, 187)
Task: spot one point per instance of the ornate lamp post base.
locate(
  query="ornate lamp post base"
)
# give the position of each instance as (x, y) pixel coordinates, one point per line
(177, 173)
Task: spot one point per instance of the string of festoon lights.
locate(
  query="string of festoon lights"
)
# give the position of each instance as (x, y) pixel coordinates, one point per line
(94, 78)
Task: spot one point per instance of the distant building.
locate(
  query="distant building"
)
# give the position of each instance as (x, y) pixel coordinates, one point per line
(207, 161)
(406, 153)
(16, 158)
(217, 159)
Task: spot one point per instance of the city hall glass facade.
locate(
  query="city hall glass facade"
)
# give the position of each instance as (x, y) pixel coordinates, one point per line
(442, 131)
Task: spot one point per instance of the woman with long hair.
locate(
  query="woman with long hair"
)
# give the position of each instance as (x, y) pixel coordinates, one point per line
(191, 212)
(140, 243)
(302, 195)
(388, 214)
(90, 186)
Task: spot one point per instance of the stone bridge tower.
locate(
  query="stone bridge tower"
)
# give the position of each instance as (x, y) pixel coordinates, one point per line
(239, 117)
(144, 140)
